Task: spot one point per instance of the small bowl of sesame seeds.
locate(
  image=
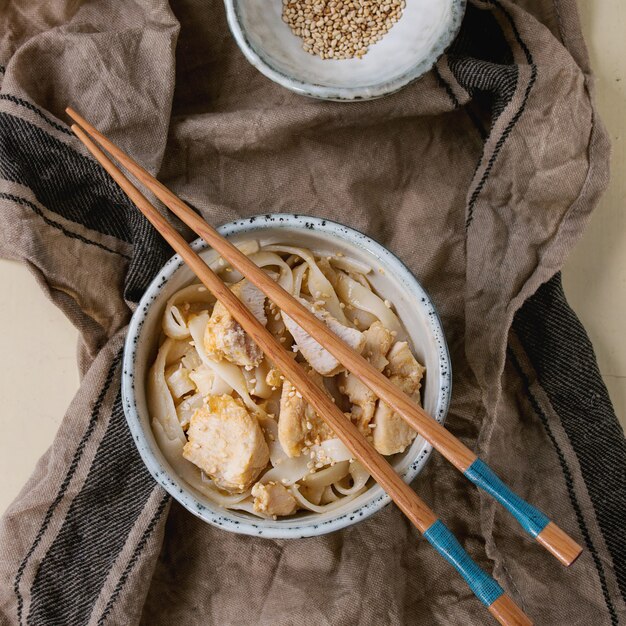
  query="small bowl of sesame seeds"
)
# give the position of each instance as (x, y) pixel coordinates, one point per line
(344, 50)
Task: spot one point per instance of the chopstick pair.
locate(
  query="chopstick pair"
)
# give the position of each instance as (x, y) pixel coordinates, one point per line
(488, 591)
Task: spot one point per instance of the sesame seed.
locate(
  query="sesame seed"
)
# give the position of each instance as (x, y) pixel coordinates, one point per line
(336, 29)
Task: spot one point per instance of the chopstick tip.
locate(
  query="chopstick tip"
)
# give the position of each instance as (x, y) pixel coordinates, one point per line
(73, 115)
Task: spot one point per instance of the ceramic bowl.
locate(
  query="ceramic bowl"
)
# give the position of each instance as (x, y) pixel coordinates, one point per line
(410, 48)
(390, 278)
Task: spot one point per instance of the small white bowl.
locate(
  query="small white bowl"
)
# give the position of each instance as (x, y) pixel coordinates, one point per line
(393, 281)
(410, 48)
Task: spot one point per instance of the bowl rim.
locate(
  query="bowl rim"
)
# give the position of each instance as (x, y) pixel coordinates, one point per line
(174, 485)
(344, 94)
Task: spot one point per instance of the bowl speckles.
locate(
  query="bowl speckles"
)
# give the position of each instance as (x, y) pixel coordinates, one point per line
(411, 48)
(395, 282)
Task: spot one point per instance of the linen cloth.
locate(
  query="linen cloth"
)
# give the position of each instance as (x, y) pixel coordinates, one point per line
(480, 177)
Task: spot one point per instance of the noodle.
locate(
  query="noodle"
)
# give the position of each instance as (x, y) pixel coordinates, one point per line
(302, 466)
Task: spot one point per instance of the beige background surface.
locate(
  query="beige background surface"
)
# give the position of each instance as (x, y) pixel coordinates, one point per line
(39, 376)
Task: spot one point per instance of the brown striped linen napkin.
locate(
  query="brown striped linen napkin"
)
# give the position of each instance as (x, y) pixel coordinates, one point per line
(480, 176)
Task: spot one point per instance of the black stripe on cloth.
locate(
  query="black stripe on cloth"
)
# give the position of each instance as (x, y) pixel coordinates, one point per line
(64, 181)
(78, 454)
(565, 363)
(481, 37)
(79, 190)
(49, 222)
(480, 40)
(482, 62)
(96, 527)
(513, 121)
(134, 558)
(569, 483)
(37, 111)
(456, 104)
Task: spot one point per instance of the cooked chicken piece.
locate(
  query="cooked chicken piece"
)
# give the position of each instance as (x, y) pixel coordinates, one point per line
(362, 399)
(391, 433)
(378, 340)
(225, 339)
(273, 499)
(402, 363)
(226, 443)
(298, 424)
(318, 357)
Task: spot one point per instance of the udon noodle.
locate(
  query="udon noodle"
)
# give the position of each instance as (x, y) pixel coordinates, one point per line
(230, 424)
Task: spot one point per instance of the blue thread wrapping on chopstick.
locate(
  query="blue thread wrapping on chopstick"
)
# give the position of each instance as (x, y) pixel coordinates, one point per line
(487, 590)
(532, 520)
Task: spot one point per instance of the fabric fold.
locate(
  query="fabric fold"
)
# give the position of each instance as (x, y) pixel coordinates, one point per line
(480, 177)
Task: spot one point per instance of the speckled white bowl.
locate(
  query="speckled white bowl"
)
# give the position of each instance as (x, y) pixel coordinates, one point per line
(394, 282)
(411, 47)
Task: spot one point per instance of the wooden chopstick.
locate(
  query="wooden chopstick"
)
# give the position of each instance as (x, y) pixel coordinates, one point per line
(533, 521)
(500, 605)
